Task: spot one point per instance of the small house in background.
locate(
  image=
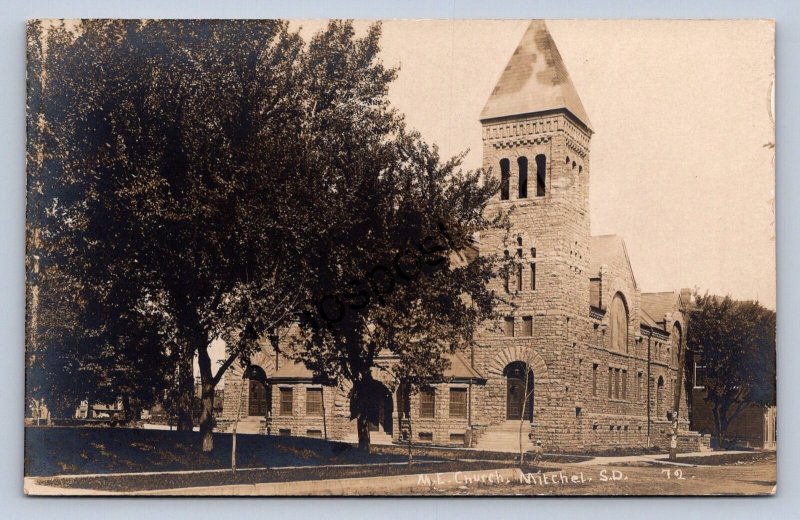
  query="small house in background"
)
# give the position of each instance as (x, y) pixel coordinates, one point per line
(87, 410)
(754, 427)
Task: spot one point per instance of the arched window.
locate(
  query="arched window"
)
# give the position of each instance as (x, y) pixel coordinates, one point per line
(505, 170)
(619, 324)
(522, 162)
(541, 175)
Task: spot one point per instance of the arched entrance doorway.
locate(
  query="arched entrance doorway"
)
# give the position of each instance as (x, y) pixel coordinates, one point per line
(259, 400)
(519, 392)
(380, 410)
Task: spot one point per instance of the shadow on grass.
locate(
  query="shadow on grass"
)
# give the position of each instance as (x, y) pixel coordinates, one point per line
(74, 450)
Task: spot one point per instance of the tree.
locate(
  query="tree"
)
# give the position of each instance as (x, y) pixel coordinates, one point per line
(204, 177)
(167, 150)
(736, 340)
(392, 218)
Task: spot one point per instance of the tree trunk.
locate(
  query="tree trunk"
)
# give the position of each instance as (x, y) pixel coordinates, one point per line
(719, 423)
(207, 416)
(128, 413)
(410, 441)
(206, 399)
(362, 421)
(183, 407)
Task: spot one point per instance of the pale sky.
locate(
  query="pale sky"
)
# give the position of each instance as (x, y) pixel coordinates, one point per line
(681, 165)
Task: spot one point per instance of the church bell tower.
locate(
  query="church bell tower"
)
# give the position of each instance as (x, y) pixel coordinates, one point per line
(536, 141)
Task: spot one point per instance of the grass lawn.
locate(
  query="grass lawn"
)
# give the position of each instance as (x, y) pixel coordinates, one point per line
(60, 451)
(85, 458)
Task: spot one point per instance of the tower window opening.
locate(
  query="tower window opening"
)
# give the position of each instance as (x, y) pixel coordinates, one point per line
(519, 277)
(527, 325)
(505, 171)
(522, 163)
(509, 326)
(533, 276)
(541, 174)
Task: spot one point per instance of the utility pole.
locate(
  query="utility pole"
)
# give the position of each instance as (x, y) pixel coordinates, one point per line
(673, 445)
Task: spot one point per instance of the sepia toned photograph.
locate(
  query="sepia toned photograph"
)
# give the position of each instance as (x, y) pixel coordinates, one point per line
(400, 258)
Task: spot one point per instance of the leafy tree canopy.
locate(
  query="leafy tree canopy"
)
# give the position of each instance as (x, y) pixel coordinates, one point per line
(736, 342)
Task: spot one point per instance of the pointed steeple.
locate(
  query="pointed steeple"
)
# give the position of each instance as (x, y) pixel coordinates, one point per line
(535, 80)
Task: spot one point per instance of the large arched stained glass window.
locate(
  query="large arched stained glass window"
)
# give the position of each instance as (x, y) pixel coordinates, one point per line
(619, 324)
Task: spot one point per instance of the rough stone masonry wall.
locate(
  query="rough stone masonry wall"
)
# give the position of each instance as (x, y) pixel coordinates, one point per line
(610, 421)
(443, 428)
(557, 225)
(623, 422)
(299, 422)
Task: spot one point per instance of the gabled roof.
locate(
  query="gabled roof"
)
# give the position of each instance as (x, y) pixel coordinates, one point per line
(659, 304)
(460, 369)
(603, 249)
(291, 371)
(535, 80)
(646, 319)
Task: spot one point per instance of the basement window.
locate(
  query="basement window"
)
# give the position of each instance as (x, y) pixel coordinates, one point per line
(458, 438)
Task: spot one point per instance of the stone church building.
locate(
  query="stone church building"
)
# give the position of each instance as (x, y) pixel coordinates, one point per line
(601, 356)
